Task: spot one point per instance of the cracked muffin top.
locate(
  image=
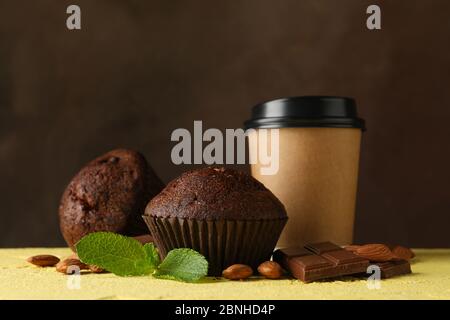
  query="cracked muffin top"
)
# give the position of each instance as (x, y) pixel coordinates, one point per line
(108, 194)
(216, 193)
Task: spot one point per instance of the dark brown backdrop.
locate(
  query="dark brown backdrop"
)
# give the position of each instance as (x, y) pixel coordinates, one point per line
(139, 69)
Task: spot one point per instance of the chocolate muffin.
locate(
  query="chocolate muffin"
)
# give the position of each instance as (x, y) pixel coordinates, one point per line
(108, 194)
(225, 214)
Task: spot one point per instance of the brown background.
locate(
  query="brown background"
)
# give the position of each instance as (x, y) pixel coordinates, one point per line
(139, 69)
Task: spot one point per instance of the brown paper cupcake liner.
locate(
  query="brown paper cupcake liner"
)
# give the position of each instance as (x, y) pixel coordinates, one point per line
(222, 242)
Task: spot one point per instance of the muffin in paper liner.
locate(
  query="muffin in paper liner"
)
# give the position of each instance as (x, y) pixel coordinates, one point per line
(225, 214)
(223, 242)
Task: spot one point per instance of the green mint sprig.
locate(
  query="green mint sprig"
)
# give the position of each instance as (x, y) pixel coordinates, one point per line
(125, 256)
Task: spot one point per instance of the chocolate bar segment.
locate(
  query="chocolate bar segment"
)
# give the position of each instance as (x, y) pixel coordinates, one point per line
(291, 252)
(341, 257)
(322, 247)
(320, 261)
(391, 269)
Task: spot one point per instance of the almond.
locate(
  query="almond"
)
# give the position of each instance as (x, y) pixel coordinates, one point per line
(43, 260)
(375, 252)
(402, 253)
(270, 270)
(237, 272)
(91, 267)
(352, 247)
(95, 269)
(63, 266)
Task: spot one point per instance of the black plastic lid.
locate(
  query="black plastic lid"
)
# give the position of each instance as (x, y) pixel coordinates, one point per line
(306, 111)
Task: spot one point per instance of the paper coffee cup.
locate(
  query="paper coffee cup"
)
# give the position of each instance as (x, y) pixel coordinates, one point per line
(318, 157)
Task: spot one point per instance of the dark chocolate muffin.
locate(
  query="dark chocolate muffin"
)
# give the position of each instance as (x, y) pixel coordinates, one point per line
(225, 214)
(108, 194)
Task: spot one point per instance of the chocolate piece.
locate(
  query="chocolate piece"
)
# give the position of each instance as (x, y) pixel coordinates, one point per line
(294, 251)
(322, 247)
(391, 269)
(320, 261)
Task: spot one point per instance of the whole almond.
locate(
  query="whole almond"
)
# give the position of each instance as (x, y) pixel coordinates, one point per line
(63, 266)
(43, 260)
(402, 253)
(375, 252)
(352, 247)
(95, 269)
(237, 272)
(91, 267)
(270, 270)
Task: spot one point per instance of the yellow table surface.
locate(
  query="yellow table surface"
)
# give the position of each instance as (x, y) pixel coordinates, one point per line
(20, 280)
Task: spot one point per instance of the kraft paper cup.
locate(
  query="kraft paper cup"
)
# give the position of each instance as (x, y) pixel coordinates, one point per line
(318, 152)
(222, 242)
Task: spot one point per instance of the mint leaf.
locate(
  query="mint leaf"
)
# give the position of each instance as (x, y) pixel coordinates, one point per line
(152, 254)
(183, 264)
(126, 256)
(115, 253)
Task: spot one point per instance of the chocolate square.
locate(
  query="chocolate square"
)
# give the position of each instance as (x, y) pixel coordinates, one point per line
(320, 261)
(322, 247)
(341, 257)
